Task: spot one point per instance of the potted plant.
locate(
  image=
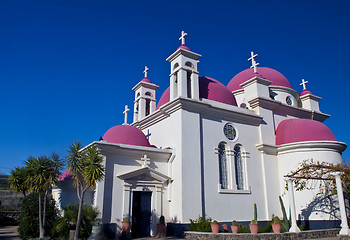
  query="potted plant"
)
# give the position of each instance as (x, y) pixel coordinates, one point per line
(234, 227)
(126, 224)
(215, 226)
(276, 224)
(254, 226)
(225, 227)
(161, 227)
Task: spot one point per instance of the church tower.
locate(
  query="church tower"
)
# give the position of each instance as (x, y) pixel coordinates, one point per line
(183, 73)
(145, 97)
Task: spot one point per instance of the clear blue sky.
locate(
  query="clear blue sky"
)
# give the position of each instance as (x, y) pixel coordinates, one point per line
(67, 67)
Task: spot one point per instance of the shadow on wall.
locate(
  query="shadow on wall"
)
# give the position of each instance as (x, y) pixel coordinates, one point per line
(321, 204)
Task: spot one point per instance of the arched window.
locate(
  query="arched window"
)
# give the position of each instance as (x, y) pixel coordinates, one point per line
(148, 94)
(176, 65)
(148, 106)
(223, 166)
(239, 167)
(189, 64)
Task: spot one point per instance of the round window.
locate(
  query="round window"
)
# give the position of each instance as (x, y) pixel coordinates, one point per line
(229, 131)
(289, 100)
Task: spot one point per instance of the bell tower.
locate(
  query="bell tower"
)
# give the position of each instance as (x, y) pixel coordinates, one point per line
(145, 97)
(183, 72)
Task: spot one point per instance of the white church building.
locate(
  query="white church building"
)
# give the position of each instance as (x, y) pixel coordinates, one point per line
(207, 148)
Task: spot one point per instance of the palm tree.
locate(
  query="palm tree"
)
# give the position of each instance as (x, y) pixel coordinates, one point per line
(17, 180)
(87, 169)
(42, 173)
(37, 181)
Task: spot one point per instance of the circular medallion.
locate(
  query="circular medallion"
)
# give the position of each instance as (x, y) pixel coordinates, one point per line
(289, 100)
(230, 131)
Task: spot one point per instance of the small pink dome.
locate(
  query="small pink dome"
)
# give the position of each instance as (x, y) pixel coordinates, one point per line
(304, 92)
(145, 79)
(183, 46)
(209, 88)
(276, 77)
(126, 134)
(302, 130)
(66, 175)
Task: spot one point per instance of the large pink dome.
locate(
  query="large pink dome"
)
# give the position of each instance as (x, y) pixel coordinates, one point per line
(126, 134)
(209, 88)
(274, 76)
(66, 175)
(302, 130)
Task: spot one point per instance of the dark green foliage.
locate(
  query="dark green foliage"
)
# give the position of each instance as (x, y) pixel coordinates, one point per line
(234, 223)
(162, 220)
(28, 222)
(255, 212)
(243, 229)
(276, 220)
(70, 215)
(202, 224)
(266, 229)
(285, 223)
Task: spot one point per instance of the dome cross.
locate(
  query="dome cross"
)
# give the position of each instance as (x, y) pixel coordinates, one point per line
(126, 115)
(303, 83)
(145, 71)
(254, 63)
(182, 38)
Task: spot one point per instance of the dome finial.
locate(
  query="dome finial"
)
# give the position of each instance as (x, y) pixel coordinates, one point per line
(145, 71)
(182, 38)
(126, 115)
(303, 83)
(254, 63)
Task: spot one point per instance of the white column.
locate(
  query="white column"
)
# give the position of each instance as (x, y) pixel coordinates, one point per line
(182, 83)
(126, 201)
(294, 227)
(344, 223)
(195, 85)
(172, 87)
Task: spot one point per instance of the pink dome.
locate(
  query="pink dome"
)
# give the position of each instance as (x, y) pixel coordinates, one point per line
(126, 134)
(274, 76)
(145, 79)
(304, 92)
(302, 130)
(66, 175)
(183, 46)
(209, 88)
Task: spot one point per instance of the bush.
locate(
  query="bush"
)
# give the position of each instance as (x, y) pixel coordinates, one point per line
(202, 224)
(70, 215)
(28, 222)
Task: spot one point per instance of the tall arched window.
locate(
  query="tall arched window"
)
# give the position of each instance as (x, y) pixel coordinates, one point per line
(223, 166)
(239, 167)
(148, 106)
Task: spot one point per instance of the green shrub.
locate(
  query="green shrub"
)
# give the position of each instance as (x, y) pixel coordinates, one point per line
(234, 223)
(70, 215)
(243, 229)
(28, 222)
(202, 224)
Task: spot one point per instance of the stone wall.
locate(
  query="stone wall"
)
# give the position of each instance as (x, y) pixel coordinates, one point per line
(314, 234)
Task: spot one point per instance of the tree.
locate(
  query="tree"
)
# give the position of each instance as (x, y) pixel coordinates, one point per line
(311, 174)
(42, 173)
(28, 224)
(17, 180)
(87, 169)
(70, 215)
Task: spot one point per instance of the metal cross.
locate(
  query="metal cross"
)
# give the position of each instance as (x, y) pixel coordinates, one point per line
(303, 83)
(254, 63)
(145, 160)
(146, 70)
(148, 134)
(126, 115)
(182, 38)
